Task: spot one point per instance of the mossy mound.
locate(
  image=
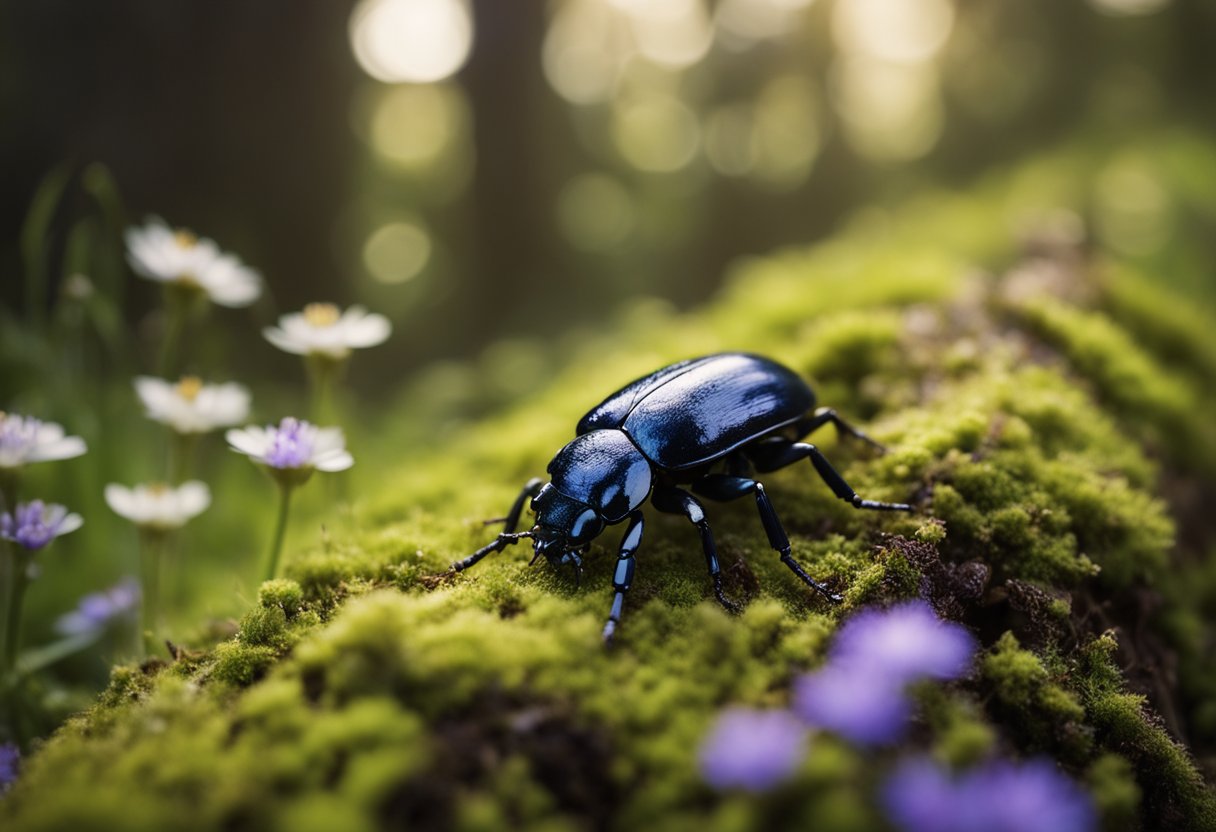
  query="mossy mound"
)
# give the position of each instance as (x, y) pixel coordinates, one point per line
(1051, 430)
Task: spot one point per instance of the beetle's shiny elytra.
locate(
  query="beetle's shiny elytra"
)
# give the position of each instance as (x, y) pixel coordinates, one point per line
(709, 423)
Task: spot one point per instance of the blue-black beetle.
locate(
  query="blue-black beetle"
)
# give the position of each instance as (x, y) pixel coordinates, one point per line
(708, 422)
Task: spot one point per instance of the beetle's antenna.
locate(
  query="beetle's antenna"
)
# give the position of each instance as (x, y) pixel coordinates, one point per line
(504, 540)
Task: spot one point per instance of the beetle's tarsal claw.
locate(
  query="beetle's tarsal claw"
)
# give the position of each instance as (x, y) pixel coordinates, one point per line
(535, 558)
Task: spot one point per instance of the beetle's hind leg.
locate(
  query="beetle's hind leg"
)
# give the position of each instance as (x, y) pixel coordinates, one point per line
(724, 488)
(672, 500)
(769, 456)
(824, 415)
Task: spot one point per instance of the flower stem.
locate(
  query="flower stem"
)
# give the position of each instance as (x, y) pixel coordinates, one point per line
(322, 373)
(280, 532)
(151, 551)
(181, 457)
(18, 579)
(177, 309)
(8, 489)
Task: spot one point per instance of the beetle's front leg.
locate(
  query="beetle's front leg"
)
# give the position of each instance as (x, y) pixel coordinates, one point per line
(511, 520)
(622, 579)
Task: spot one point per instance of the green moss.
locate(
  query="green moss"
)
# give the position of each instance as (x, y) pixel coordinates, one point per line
(1043, 714)
(241, 664)
(1173, 790)
(286, 595)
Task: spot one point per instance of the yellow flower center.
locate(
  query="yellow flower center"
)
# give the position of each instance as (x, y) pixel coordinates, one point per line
(184, 238)
(321, 314)
(158, 488)
(189, 387)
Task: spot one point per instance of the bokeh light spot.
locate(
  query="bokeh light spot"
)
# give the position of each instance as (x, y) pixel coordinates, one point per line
(595, 212)
(397, 252)
(904, 31)
(412, 125)
(786, 137)
(674, 33)
(584, 51)
(656, 133)
(416, 41)
(890, 112)
(1127, 8)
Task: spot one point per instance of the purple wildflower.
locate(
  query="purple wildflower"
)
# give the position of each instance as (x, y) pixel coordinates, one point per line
(291, 444)
(24, 440)
(97, 611)
(752, 750)
(34, 524)
(863, 706)
(10, 765)
(920, 797)
(859, 693)
(999, 796)
(905, 642)
(294, 446)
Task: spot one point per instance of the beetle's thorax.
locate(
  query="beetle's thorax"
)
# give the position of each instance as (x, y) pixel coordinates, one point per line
(604, 470)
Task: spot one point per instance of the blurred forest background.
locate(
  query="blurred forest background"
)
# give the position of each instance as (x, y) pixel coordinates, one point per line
(480, 169)
(497, 176)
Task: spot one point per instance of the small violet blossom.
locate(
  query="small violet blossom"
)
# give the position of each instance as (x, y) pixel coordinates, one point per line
(98, 611)
(905, 642)
(290, 452)
(860, 692)
(856, 703)
(294, 449)
(323, 331)
(752, 750)
(34, 524)
(998, 796)
(24, 440)
(159, 507)
(191, 407)
(10, 765)
(181, 259)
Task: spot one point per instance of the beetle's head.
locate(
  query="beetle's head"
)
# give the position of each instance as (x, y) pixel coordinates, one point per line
(564, 527)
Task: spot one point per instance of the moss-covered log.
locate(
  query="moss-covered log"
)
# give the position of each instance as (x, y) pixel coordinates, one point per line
(1049, 418)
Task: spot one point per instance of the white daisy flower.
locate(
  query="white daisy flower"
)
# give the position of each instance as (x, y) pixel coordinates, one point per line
(159, 507)
(325, 331)
(191, 407)
(180, 258)
(24, 440)
(294, 449)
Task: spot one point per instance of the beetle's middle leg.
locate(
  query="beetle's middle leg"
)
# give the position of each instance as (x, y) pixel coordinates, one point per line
(724, 488)
(672, 500)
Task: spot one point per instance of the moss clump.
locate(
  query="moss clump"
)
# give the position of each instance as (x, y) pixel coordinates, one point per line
(286, 595)
(241, 664)
(361, 694)
(1174, 792)
(1044, 715)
